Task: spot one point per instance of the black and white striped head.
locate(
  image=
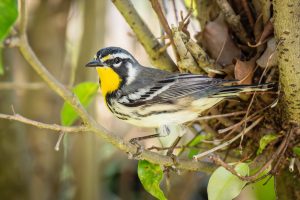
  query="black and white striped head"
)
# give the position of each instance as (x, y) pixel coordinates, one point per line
(119, 60)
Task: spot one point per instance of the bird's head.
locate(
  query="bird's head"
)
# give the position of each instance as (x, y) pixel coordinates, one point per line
(115, 67)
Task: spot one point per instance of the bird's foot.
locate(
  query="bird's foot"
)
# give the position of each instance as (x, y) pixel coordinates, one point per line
(139, 148)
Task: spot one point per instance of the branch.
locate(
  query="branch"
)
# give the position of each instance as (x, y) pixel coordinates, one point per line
(90, 123)
(258, 175)
(21, 86)
(160, 59)
(287, 28)
(242, 133)
(163, 21)
(186, 61)
(233, 20)
(54, 127)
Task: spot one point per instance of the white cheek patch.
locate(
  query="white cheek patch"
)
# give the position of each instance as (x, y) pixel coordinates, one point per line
(131, 73)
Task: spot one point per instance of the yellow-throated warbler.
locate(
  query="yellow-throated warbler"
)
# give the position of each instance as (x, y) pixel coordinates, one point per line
(151, 97)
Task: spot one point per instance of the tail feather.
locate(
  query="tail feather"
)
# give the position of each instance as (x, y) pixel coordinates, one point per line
(228, 91)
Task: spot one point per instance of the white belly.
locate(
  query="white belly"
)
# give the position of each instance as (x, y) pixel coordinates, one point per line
(164, 114)
(164, 119)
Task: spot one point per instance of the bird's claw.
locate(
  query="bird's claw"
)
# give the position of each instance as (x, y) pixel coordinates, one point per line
(139, 148)
(174, 158)
(173, 167)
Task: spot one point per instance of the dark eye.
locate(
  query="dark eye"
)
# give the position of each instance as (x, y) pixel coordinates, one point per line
(117, 60)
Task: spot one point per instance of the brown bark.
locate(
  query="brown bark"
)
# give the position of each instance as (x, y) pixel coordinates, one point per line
(287, 31)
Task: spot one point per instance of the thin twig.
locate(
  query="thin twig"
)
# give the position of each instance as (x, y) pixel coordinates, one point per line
(259, 82)
(222, 48)
(255, 177)
(221, 115)
(163, 21)
(21, 86)
(144, 35)
(236, 125)
(23, 18)
(233, 20)
(246, 118)
(54, 127)
(12, 41)
(197, 157)
(248, 12)
(175, 10)
(60, 137)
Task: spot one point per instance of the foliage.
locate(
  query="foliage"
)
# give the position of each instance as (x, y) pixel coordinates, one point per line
(264, 189)
(223, 185)
(296, 150)
(8, 16)
(150, 176)
(264, 141)
(85, 92)
(193, 143)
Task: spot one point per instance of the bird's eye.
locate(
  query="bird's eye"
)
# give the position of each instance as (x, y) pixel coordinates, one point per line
(117, 60)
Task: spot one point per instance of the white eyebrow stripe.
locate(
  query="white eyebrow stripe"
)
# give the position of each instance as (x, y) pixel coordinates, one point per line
(122, 55)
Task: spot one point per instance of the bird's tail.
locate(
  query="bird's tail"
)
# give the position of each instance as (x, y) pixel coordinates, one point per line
(233, 90)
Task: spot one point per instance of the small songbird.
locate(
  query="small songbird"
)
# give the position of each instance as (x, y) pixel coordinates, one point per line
(150, 97)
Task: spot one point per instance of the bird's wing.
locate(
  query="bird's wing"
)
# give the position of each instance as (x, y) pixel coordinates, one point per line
(171, 88)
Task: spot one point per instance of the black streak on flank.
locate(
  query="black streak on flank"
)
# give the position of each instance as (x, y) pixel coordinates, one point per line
(156, 112)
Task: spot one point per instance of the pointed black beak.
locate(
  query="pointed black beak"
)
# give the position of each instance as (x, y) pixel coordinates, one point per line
(94, 63)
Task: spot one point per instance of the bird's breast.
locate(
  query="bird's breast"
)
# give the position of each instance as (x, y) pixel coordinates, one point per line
(110, 80)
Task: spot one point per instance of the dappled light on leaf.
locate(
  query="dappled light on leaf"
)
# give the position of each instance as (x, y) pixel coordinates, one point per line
(150, 176)
(264, 141)
(223, 185)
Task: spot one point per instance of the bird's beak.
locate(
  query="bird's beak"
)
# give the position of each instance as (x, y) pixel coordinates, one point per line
(94, 63)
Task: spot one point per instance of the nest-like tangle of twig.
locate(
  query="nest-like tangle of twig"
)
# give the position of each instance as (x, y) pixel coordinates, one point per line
(243, 50)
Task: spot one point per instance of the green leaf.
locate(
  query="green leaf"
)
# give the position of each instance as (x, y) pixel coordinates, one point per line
(150, 176)
(8, 16)
(264, 141)
(223, 185)
(296, 150)
(196, 140)
(85, 92)
(264, 190)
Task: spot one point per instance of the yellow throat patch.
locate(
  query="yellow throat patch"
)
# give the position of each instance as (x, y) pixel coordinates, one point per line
(110, 80)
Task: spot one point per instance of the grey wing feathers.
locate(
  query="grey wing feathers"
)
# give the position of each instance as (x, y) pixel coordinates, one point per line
(194, 85)
(172, 87)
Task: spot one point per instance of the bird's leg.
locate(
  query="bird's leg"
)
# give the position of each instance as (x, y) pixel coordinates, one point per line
(173, 146)
(161, 132)
(135, 141)
(181, 130)
(138, 139)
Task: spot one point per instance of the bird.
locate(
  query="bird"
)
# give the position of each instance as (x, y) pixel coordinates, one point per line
(154, 98)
